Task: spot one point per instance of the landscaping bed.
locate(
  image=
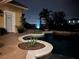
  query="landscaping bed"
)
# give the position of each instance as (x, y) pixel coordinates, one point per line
(26, 46)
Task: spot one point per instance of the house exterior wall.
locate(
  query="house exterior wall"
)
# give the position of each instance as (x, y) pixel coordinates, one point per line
(17, 11)
(1, 21)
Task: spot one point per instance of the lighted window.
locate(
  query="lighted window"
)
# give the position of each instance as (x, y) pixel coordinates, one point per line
(78, 21)
(69, 21)
(73, 21)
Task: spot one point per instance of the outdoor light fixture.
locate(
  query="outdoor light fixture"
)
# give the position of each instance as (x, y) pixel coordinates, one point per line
(37, 26)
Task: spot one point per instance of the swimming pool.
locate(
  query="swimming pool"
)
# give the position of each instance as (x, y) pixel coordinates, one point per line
(68, 45)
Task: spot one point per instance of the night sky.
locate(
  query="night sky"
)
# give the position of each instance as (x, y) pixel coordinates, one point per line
(70, 7)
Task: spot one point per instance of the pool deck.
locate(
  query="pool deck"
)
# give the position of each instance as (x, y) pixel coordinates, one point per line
(10, 48)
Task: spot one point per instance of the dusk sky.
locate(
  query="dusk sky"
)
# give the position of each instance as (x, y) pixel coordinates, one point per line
(70, 7)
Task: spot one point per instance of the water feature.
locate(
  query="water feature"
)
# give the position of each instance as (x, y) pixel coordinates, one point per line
(64, 45)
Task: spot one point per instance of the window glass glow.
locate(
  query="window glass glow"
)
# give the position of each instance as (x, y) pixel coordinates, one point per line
(78, 21)
(73, 21)
(69, 21)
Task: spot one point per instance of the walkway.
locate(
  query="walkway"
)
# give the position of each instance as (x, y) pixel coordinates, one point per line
(10, 49)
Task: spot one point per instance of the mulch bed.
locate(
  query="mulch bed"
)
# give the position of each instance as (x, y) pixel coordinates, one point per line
(25, 46)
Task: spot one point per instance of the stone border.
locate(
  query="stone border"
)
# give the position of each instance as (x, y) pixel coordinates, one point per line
(33, 54)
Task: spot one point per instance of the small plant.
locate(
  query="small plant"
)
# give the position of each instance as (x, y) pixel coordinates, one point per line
(33, 41)
(33, 37)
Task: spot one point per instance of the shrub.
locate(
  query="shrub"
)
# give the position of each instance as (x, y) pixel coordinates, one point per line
(3, 31)
(20, 29)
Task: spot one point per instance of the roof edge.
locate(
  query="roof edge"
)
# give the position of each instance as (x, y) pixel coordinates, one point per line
(19, 6)
(5, 1)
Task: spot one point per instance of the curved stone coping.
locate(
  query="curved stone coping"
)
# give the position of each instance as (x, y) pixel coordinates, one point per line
(47, 32)
(33, 35)
(33, 54)
(40, 52)
(48, 47)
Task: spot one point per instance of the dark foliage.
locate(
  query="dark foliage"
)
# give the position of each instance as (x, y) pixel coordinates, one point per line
(45, 15)
(52, 18)
(20, 29)
(25, 24)
(3, 31)
(57, 21)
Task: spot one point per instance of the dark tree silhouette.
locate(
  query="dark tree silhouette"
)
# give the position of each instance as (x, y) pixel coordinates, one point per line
(45, 15)
(58, 18)
(52, 19)
(21, 28)
(23, 20)
(25, 24)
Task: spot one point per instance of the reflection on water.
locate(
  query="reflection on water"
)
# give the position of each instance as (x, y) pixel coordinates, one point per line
(65, 45)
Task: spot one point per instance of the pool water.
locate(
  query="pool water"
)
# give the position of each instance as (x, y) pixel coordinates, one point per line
(67, 46)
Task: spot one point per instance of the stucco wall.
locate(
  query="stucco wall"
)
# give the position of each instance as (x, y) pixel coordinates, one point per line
(12, 8)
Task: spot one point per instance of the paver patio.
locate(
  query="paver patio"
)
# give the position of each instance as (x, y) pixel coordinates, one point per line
(10, 49)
